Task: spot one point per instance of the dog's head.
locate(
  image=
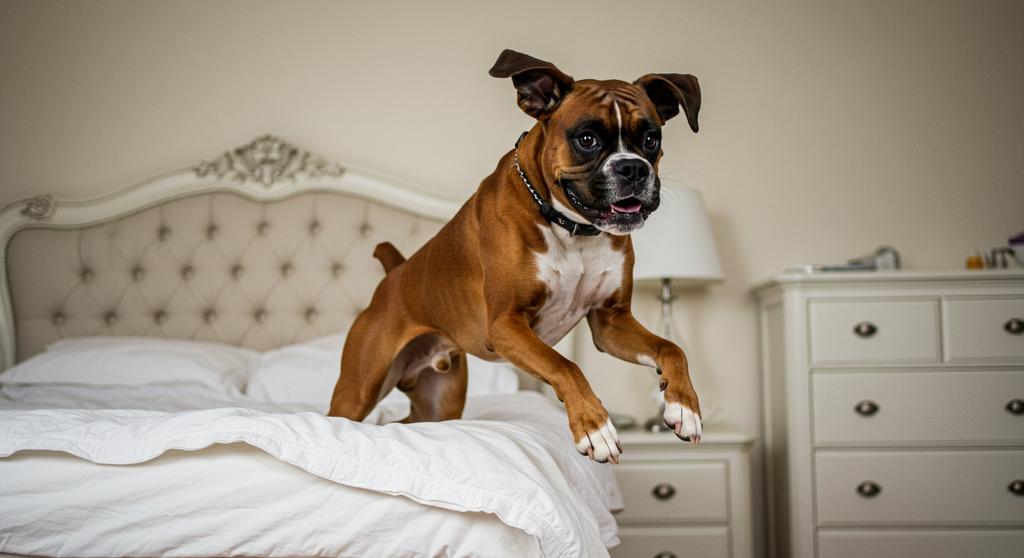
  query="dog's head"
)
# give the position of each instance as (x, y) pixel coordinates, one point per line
(602, 138)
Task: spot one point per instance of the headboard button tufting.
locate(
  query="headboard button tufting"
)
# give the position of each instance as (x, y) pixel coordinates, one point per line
(179, 266)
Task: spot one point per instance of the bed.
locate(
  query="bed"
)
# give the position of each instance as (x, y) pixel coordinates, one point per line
(168, 352)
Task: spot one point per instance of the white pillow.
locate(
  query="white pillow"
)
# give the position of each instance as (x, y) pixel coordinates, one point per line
(136, 361)
(305, 374)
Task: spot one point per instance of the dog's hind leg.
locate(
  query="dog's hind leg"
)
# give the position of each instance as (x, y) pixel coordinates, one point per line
(437, 395)
(373, 343)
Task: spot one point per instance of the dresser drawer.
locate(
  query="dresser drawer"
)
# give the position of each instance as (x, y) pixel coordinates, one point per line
(989, 330)
(945, 543)
(918, 408)
(669, 493)
(672, 542)
(919, 488)
(874, 331)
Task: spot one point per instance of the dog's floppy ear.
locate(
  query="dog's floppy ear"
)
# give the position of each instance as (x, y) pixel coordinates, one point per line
(539, 84)
(668, 91)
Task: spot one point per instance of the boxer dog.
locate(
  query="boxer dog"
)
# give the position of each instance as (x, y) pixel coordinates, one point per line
(542, 243)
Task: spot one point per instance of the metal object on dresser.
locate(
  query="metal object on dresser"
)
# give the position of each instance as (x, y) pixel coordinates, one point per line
(884, 258)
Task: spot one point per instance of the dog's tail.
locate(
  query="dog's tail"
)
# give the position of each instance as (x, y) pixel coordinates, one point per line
(388, 255)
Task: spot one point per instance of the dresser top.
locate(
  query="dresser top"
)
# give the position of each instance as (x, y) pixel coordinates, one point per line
(890, 277)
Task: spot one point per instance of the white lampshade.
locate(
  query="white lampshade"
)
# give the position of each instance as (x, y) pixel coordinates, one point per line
(676, 242)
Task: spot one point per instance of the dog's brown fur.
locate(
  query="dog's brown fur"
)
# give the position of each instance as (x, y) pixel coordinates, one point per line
(474, 287)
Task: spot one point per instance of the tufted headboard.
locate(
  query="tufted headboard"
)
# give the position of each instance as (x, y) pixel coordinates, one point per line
(263, 246)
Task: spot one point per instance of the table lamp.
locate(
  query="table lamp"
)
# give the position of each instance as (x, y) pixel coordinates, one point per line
(675, 248)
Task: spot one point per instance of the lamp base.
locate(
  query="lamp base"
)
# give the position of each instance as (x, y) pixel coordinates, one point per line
(657, 423)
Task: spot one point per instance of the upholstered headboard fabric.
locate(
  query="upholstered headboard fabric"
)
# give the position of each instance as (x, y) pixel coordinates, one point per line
(214, 266)
(263, 246)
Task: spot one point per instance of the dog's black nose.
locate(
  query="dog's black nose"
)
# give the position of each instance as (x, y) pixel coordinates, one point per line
(631, 170)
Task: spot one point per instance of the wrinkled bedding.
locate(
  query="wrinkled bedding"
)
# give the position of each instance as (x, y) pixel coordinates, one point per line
(225, 480)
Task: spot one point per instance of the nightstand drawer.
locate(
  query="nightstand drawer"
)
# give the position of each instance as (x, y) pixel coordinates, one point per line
(920, 488)
(874, 331)
(673, 492)
(988, 330)
(672, 542)
(945, 543)
(889, 408)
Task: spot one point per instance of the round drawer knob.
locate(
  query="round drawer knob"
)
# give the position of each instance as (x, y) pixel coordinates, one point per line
(1014, 326)
(664, 491)
(1015, 407)
(1017, 487)
(868, 489)
(665, 554)
(865, 329)
(866, 408)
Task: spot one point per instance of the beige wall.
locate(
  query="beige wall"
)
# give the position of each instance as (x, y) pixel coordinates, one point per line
(827, 127)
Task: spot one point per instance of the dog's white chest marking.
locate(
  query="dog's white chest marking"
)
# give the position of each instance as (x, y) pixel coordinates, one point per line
(579, 273)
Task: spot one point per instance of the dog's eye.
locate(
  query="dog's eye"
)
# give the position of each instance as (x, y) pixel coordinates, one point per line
(587, 141)
(651, 141)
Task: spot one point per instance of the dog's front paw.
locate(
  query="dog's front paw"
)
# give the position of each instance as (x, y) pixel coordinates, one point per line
(601, 445)
(684, 421)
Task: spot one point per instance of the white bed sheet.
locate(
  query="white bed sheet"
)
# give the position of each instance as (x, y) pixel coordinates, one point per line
(292, 484)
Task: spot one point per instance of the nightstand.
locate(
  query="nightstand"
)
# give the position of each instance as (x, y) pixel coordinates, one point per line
(682, 500)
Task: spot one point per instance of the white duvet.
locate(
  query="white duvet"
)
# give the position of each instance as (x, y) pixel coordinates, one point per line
(504, 481)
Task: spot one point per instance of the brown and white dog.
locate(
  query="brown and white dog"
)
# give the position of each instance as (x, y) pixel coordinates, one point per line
(542, 243)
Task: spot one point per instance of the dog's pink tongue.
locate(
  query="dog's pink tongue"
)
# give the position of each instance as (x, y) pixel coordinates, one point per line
(631, 208)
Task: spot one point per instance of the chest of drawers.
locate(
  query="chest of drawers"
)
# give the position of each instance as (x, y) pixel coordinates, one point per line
(894, 414)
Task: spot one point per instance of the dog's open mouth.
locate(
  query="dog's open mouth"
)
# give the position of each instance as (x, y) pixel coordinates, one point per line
(626, 205)
(623, 216)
